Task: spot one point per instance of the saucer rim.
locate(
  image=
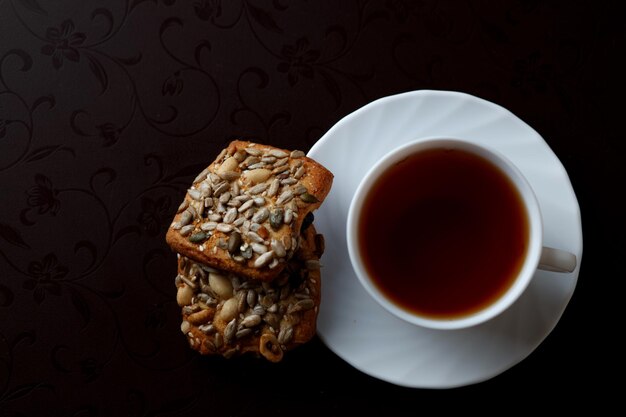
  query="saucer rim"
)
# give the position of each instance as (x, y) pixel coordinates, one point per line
(537, 141)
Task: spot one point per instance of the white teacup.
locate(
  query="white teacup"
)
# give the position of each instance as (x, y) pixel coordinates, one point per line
(395, 290)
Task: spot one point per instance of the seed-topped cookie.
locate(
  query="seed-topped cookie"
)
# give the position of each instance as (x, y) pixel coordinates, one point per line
(228, 314)
(244, 212)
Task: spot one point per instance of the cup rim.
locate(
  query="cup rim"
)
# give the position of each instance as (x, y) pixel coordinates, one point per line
(531, 206)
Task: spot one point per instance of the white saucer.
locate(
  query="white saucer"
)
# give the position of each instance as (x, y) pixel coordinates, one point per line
(372, 340)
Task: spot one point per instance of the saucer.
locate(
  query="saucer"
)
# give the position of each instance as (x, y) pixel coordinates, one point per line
(355, 327)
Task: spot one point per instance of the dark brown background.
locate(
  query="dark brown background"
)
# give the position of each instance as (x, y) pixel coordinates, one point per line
(108, 109)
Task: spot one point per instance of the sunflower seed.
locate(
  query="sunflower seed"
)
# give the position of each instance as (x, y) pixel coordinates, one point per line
(213, 178)
(208, 202)
(239, 221)
(202, 175)
(186, 230)
(231, 215)
(278, 248)
(280, 162)
(182, 206)
(224, 228)
(230, 175)
(206, 328)
(280, 169)
(219, 340)
(192, 210)
(233, 242)
(259, 201)
(242, 198)
(235, 188)
(284, 292)
(251, 298)
(258, 248)
(258, 309)
(251, 320)
(261, 215)
(222, 154)
(285, 334)
(214, 217)
(285, 197)
(254, 237)
(263, 259)
(185, 218)
(243, 333)
(288, 216)
(220, 188)
(229, 331)
(253, 151)
(242, 301)
(297, 154)
(289, 181)
(250, 160)
(205, 188)
(195, 194)
(245, 206)
(224, 197)
(273, 189)
(188, 282)
(278, 153)
(299, 172)
(258, 165)
(258, 189)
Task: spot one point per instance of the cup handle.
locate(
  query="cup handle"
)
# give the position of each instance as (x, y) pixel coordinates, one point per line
(556, 260)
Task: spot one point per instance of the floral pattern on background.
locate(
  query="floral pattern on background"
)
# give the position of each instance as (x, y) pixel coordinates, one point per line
(108, 110)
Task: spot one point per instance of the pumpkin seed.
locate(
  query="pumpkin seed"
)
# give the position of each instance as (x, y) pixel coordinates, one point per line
(198, 237)
(308, 198)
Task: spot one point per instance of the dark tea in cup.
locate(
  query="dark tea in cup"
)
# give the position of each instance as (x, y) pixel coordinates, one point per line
(444, 233)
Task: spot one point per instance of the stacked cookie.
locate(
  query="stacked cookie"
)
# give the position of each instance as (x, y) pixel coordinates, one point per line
(248, 255)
